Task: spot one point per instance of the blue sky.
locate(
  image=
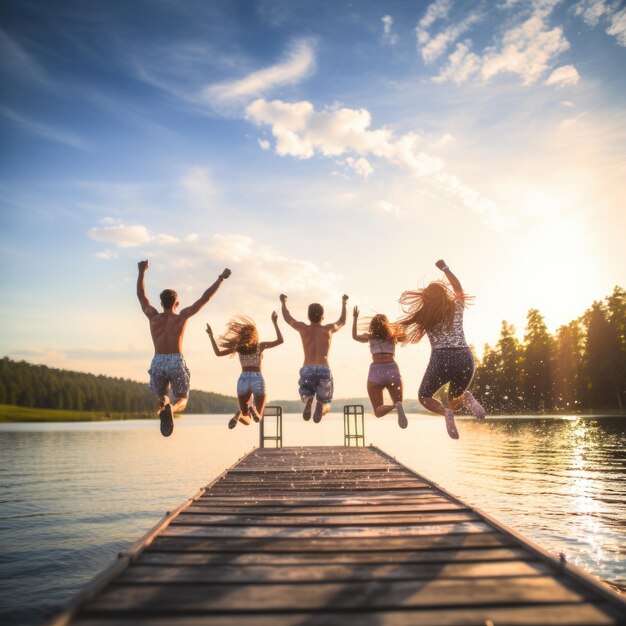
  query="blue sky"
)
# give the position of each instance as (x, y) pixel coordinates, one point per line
(315, 148)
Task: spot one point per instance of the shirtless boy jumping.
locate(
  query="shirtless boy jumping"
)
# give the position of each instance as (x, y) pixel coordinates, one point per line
(316, 379)
(168, 366)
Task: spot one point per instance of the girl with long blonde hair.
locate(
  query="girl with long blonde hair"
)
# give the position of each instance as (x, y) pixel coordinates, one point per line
(384, 373)
(437, 311)
(242, 337)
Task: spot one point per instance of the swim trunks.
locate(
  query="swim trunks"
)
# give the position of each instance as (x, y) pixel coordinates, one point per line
(316, 380)
(169, 370)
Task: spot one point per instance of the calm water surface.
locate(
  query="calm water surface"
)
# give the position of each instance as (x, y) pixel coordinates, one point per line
(73, 495)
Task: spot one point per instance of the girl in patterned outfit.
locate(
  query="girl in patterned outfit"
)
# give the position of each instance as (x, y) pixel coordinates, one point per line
(437, 311)
(382, 337)
(241, 337)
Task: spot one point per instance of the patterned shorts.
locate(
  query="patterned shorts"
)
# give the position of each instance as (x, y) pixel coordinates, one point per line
(316, 380)
(169, 370)
(251, 382)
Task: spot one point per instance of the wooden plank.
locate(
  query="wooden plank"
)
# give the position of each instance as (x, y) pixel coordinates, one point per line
(382, 519)
(120, 598)
(335, 499)
(341, 545)
(516, 615)
(321, 531)
(292, 511)
(327, 573)
(476, 555)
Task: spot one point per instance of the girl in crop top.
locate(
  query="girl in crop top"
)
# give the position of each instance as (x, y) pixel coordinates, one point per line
(437, 312)
(382, 337)
(241, 337)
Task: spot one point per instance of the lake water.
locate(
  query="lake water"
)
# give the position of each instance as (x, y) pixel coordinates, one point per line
(73, 495)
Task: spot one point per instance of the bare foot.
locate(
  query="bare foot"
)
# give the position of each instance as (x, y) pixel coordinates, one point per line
(403, 422)
(451, 425)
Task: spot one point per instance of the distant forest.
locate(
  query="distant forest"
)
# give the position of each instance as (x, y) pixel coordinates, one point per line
(582, 366)
(38, 386)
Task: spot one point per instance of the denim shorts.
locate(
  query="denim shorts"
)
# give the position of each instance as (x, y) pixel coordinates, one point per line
(169, 370)
(251, 383)
(316, 380)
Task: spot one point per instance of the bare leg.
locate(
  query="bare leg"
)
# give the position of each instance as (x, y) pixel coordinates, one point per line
(259, 405)
(180, 404)
(436, 407)
(375, 393)
(395, 391)
(244, 402)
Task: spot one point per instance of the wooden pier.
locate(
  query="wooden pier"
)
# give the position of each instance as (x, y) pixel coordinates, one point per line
(336, 535)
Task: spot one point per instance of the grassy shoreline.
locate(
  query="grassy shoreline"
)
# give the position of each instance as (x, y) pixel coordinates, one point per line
(10, 413)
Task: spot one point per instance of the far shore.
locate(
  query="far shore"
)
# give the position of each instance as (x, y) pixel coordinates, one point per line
(15, 414)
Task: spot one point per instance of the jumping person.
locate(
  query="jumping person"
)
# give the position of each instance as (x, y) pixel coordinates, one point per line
(384, 373)
(168, 367)
(438, 312)
(316, 379)
(242, 337)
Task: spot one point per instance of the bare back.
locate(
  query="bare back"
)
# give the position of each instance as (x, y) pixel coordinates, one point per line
(316, 340)
(167, 330)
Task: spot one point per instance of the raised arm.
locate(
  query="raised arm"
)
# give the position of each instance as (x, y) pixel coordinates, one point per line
(146, 307)
(454, 281)
(218, 351)
(342, 318)
(264, 345)
(363, 338)
(206, 296)
(287, 316)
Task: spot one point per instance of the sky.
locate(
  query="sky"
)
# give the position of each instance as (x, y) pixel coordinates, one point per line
(314, 148)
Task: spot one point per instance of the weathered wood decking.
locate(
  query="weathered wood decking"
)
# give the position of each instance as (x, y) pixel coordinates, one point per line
(335, 535)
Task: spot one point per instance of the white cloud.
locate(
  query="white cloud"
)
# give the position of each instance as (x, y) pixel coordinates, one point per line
(63, 136)
(436, 11)
(614, 18)
(361, 166)
(264, 143)
(567, 103)
(527, 49)
(121, 235)
(432, 47)
(564, 75)
(125, 236)
(299, 64)
(388, 36)
(617, 27)
(302, 132)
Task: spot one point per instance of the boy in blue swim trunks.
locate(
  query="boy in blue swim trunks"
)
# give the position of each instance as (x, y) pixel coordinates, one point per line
(168, 367)
(316, 379)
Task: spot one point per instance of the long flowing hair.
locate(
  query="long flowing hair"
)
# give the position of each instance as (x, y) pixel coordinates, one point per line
(426, 308)
(241, 336)
(382, 329)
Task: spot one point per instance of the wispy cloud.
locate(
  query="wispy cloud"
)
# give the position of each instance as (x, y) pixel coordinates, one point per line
(199, 188)
(609, 13)
(389, 37)
(528, 48)
(299, 63)
(302, 132)
(15, 60)
(52, 133)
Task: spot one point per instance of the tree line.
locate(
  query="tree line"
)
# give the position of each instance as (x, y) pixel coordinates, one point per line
(39, 386)
(582, 366)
